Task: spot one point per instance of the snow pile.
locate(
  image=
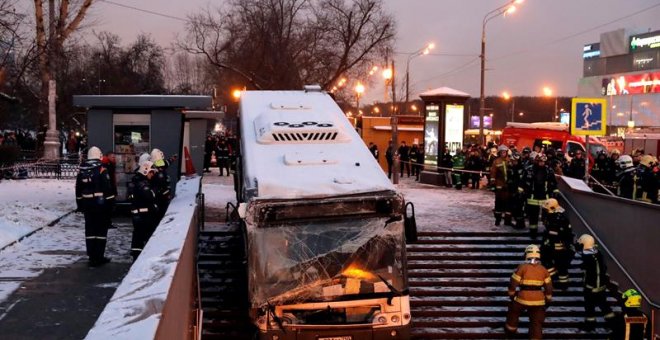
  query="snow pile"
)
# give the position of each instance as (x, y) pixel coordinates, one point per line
(28, 205)
(134, 311)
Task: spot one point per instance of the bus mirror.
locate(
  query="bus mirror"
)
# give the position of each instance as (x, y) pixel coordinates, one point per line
(410, 224)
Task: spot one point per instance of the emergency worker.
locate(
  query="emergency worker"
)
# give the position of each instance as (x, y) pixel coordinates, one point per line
(577, 166)
(498, 182)
(530, 289)
(458, 163)
(631, 323)
(538, 185)
(516, 199)
(557, 248)
(404, 158)
(95, 198)
(648, 180)
(160, 183)
(595, 283)
(525, 156)
(474, 163)
(222, 151)
(144, 208)
(600, 170)
(627, 178)
(613, 165)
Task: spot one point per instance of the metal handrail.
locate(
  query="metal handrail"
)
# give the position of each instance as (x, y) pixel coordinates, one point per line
(591, 178)
(603, 246)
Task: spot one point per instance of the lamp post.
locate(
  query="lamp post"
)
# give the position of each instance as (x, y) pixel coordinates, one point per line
(359, 90)
(506, 97)
(509, 8)
(422, 51)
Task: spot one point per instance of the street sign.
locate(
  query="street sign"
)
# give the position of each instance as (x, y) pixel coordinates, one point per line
(589, 116)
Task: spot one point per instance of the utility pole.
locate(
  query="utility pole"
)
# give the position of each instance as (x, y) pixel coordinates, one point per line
(52, 140)
(395, 129)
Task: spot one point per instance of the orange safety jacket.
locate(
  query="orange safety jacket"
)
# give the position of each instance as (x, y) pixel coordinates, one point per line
(531, 284)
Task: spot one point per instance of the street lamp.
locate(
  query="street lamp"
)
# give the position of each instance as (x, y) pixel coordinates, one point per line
(548, 93)
(507, 8)
(422, 51)
(506, 97)
(236, 94)
(359, 90)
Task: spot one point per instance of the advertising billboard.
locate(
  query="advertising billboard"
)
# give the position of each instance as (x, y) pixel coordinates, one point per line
(454, 128)
(589, 116)
(631, 84)
(565, 117)
(645, 42)
(474, 122)
(431, 135)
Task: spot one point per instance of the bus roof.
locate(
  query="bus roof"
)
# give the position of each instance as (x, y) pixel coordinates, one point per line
(299, 144)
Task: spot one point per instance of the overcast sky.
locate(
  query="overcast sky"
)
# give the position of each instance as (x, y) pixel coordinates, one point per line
(540, 45)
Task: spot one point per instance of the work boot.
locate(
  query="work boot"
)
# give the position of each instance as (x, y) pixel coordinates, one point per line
(498, 218)
(507, 220)
(520, 223)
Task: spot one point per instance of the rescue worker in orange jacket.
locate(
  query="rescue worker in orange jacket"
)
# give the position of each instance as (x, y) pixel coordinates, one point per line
(498, 181)
(530, 289)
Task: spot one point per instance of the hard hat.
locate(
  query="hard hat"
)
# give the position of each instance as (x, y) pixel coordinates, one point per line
(143, 158)
(625, 162)
(552, 206)
(532, 251)
(541, 158)
(94, 153)
(587, 241)
(146, 167)
(157, 157)
(647, 161)
(502, 148)
(632, 298)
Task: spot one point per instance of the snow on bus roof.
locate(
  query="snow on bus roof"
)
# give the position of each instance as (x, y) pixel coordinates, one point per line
(540, 125)
(299, 144)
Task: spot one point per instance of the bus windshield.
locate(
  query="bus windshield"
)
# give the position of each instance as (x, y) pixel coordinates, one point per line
(326, 260)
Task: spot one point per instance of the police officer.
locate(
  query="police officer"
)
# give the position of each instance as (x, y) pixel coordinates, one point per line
(631, 323)
(538, 185)
(498, 181)
(95, 198)
(557, 248)
(627, 179)
(595, 283)
(144, 208)
(530, 289)
(160, 183)
(516, 199)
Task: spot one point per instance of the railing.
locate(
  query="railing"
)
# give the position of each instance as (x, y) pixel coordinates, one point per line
(63, 168)
(625, 249)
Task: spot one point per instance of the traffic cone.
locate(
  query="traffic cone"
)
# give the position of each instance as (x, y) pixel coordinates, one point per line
(190, 168)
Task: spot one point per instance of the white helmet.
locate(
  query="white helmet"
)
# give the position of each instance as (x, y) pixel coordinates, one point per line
(143, 158)
(625, 162)
(146, 167)
(502, 148)
(532, 252)
(156, 155)
(587, 241)
(94, 153)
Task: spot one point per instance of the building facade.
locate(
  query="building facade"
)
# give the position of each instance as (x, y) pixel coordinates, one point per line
(624, 67)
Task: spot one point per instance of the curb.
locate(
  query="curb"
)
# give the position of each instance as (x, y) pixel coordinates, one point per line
(50, 224)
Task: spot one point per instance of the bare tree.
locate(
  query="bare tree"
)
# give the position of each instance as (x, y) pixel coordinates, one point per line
(9, 41)
(284, 44)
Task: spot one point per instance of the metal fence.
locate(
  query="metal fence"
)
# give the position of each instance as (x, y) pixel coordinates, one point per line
(56, 169)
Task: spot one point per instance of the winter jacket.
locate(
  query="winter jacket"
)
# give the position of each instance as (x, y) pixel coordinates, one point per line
(530, 285)
(595, 271)
(94, 190)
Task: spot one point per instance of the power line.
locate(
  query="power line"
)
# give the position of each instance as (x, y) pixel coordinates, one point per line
(457, 69)
(146, 11)
(556, 41)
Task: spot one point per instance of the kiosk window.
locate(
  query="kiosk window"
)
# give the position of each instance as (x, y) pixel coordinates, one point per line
(130, 142)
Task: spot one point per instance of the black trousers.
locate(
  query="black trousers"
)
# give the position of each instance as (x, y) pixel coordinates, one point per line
(501, 200)
(405, 163)
(389, 168)
(96, 233)
(593, 300)
(223, 163)
(144, 225)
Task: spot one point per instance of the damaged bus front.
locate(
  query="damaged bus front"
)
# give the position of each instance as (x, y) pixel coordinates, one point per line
(329, 269)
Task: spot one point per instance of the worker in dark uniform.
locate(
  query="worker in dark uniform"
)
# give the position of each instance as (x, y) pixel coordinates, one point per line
(628, 182)
(516, 198)
(222, 151)
(160, 183)
(389, 158)
(557, 248)
(631, 323)
(458, 163)
(595, 283)
(95, 197)
(498, 181)
(144, 208)
(404, 158)
(577, 166)
(648, 180)
(530, 289)
(209, 145)
(538, 185)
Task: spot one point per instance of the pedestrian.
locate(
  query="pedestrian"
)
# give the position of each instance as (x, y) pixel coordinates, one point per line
(595, 283)
(404, 158)
(144, 208)
(530, 289)
(498, 183)
(474, 163)
(389, 158)
(160, 183)
(446, 164)
(631, 322)
(419, 162)
(539, 184)
(95, 198)
(209, 145)
(412, 155)
(222, 156)
(557, 248)
(373, 148)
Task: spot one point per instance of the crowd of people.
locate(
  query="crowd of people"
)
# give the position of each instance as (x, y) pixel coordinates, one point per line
(223, 148)
(20, 138)
(96, 190)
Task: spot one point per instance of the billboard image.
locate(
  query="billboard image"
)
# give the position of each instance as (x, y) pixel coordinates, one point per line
(474, 122)
(454, 128)
(589, 116)
(431, 134)
(631, 84)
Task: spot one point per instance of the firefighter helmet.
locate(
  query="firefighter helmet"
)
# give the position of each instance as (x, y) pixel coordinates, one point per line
(552, 206)
(157, 157)
(502, 148)
(532, 251)
(587, 241)
(647, 161)
(146, 167)
(632, 298)
(625, 162)
(143, 158)
(94, 153)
